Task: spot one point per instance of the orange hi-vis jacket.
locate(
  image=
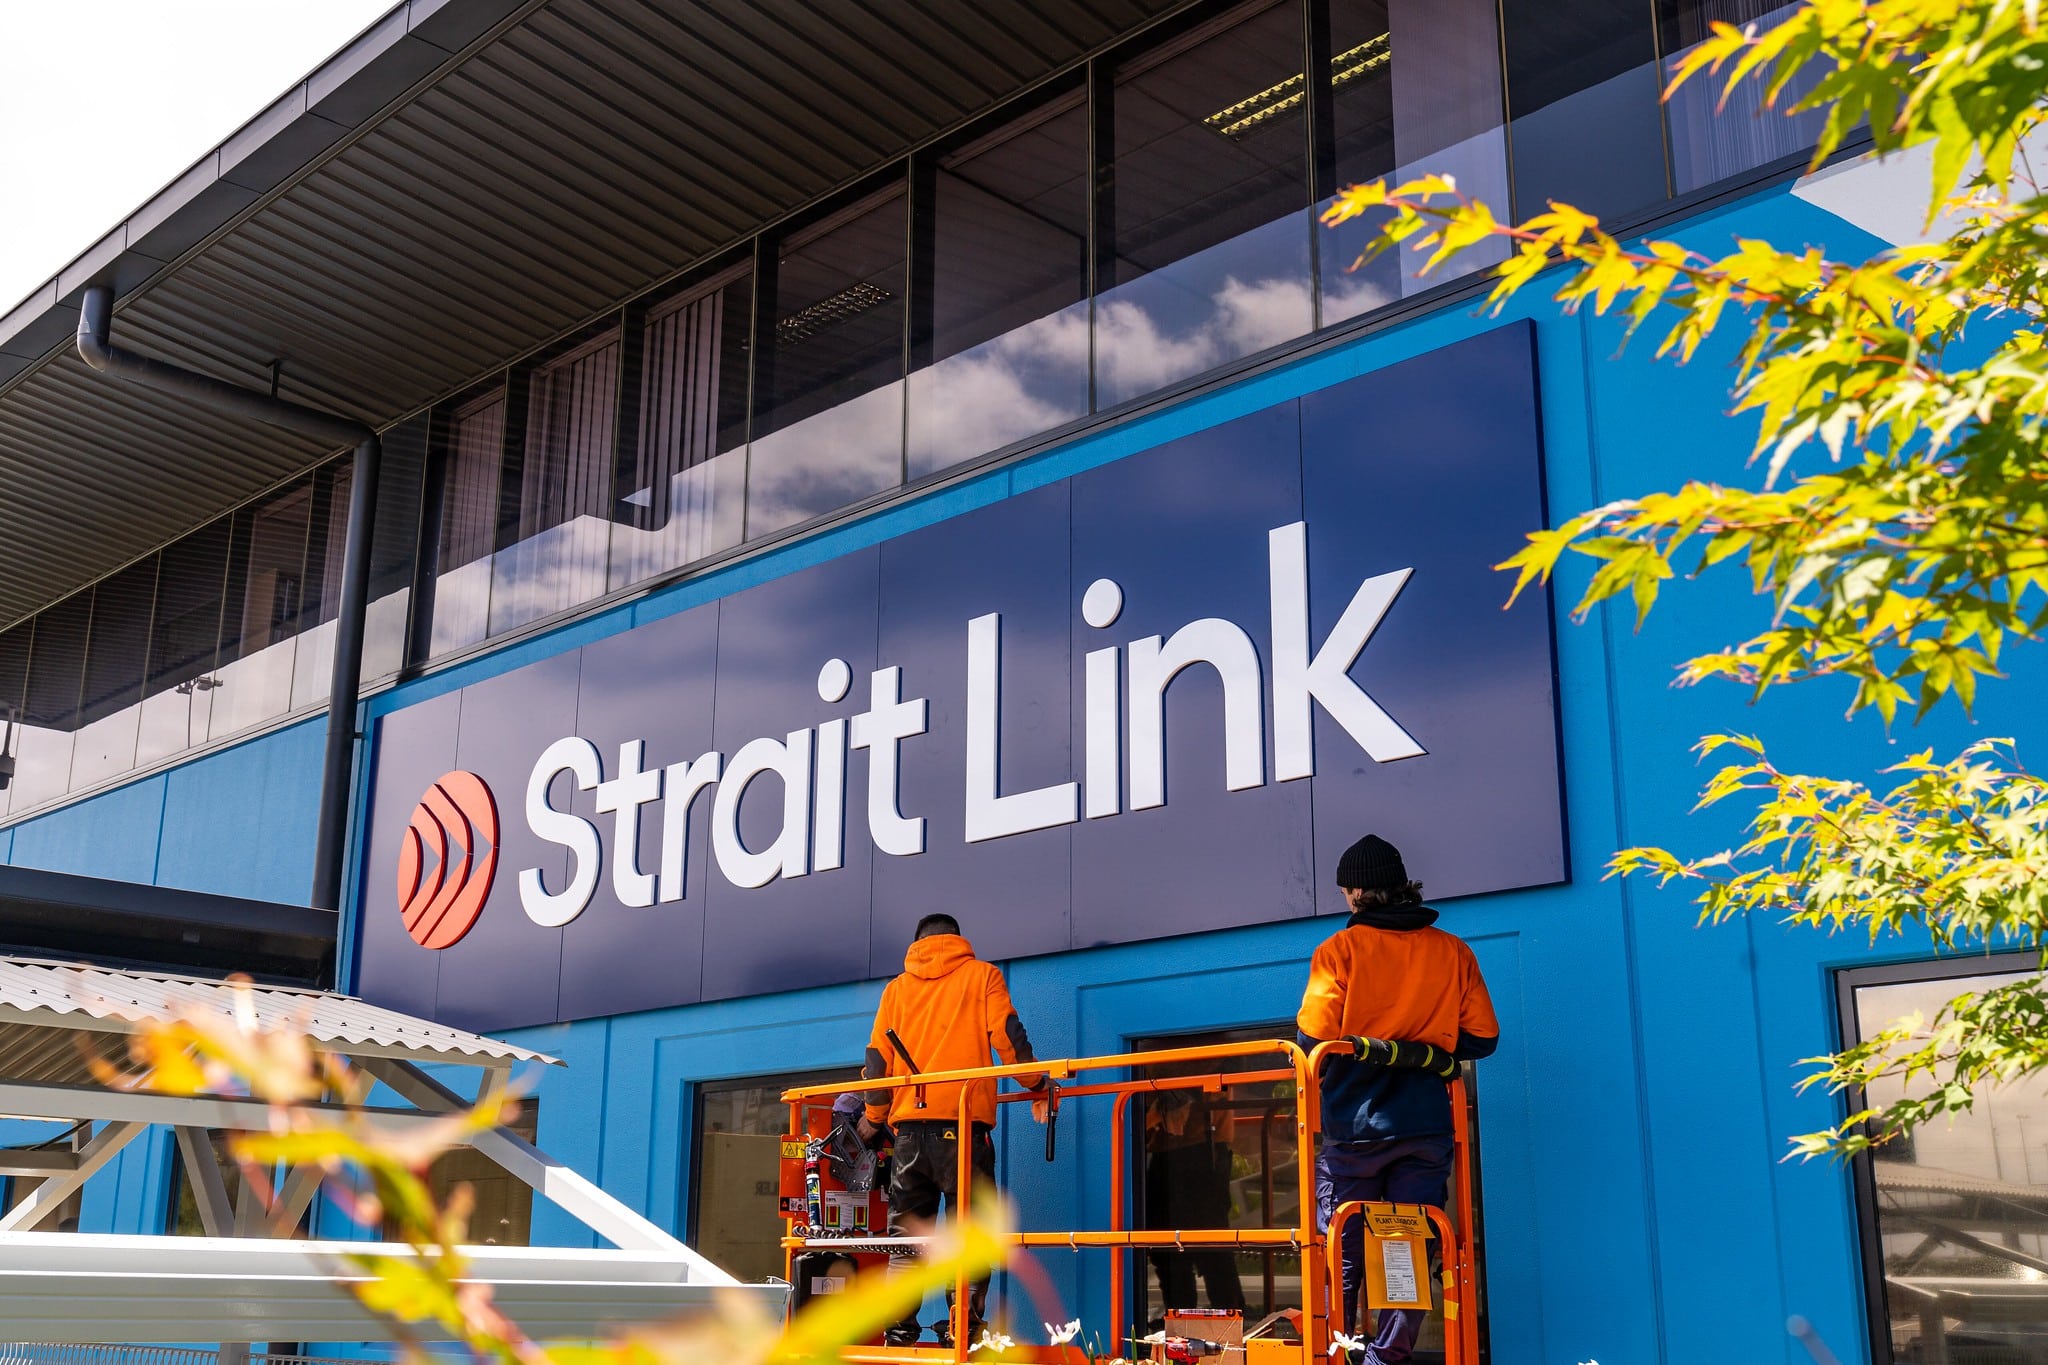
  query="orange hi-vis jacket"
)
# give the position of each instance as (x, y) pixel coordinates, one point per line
(1408, 984)
(950, 1009)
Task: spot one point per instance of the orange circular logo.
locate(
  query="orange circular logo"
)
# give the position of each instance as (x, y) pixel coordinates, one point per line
(447, 859)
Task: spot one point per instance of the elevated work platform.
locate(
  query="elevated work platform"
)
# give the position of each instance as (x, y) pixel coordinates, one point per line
(1317, 1321)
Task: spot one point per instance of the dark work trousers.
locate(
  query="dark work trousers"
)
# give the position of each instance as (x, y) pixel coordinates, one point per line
(924, 1167)
(1216, 1270)
(1415, 1170)
(1188, 1186)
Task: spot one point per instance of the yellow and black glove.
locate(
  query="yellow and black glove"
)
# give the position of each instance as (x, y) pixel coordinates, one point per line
(1396, 1052)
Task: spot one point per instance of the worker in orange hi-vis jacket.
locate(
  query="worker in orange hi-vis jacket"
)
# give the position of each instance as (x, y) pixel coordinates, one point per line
(948, 1011)
(1411, 998)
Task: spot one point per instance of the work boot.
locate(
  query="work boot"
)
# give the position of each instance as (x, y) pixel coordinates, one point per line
(943, 1330)
(903, 1334)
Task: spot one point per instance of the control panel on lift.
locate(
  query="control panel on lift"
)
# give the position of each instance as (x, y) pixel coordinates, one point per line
(832, 1186)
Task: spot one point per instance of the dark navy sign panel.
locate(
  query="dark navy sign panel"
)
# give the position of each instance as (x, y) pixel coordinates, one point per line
(1432, 466)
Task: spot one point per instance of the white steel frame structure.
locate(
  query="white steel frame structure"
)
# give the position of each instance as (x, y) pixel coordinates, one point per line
(247, 1280)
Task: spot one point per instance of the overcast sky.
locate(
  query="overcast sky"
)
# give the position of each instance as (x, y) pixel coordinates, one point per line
(103, 104)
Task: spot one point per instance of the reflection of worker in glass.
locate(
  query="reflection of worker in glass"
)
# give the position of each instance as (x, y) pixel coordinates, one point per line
(946, 1012)
(1411, 998)
(1187, 1186)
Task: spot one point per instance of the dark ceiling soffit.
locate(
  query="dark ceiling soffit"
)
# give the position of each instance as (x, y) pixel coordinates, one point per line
(58, 914)
(357, 85)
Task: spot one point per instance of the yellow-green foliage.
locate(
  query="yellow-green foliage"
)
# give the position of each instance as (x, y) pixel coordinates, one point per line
(1899, 523)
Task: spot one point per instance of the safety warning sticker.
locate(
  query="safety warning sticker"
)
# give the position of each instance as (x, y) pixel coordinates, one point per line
(1397, 1263)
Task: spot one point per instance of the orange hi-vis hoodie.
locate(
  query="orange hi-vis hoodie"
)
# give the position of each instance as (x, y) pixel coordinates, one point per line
(950, 1009)
(1390, 974)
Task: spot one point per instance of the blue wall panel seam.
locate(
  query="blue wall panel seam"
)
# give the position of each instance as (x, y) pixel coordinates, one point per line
(163, 810)
(1624, 888)
(1763, 1099)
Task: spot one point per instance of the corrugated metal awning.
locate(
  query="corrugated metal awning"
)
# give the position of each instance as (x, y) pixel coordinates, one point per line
(1906, 1177)
(466, 181)
(38, 999)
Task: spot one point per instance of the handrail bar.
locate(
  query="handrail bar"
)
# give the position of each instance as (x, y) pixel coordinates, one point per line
(1057, 1067)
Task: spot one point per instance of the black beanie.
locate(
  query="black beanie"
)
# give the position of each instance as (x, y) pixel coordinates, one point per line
(1371, 864)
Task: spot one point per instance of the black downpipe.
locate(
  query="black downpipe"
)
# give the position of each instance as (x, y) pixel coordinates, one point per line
(330, 847)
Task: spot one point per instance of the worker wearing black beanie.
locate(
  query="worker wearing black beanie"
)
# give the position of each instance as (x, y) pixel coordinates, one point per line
(1409, 999)
(1371, 864)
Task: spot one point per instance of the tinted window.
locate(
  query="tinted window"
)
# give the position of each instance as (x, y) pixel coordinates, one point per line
(1707, 145)
(1000, 346)
(1414, 89)
(266, 593)
(1227, 1159)
(828, 396)
(1204, 212)
(320, 602)
(184, 637)
(14, 647)
(735, 1218)
(503, 1215)
(185, 629)
(685, 498)
(1960, 1207)
(1216, 1160)
(394, 538)
(469, 523)
(1582, 86)
(182, 1216)
(556, 557)
(110, 703)
(68, 1213)
(56, 671)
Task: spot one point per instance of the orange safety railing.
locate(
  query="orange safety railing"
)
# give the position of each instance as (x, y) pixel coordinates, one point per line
(1321, 1275)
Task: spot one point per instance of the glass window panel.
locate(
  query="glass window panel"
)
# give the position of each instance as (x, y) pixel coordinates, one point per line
(320, 604)
(1206, 216)
(184, 640)
(266, 588)
(828, 406)
(735, 1214)
(565, 489)
(1222, 1160)
(1709, 145)
(1004, 350)
(503, 1214)
(1415, 89)
(686, 497)
(394, 541)
(1961, 1205)
(1227, 1159)
(56, 670)
(469, 524)
(1582, 92)
(182, 1210)
(110, 705)
(48, 1136)
(14, 648)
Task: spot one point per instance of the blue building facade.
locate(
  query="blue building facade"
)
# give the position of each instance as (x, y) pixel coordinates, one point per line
(1637, 1204)
(1633, 1125)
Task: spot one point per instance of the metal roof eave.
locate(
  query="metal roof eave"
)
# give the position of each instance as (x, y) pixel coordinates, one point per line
(359, 83)
(467, 182)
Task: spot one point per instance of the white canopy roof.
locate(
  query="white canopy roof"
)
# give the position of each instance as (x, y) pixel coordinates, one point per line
(99, 999)
(86, 1288)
